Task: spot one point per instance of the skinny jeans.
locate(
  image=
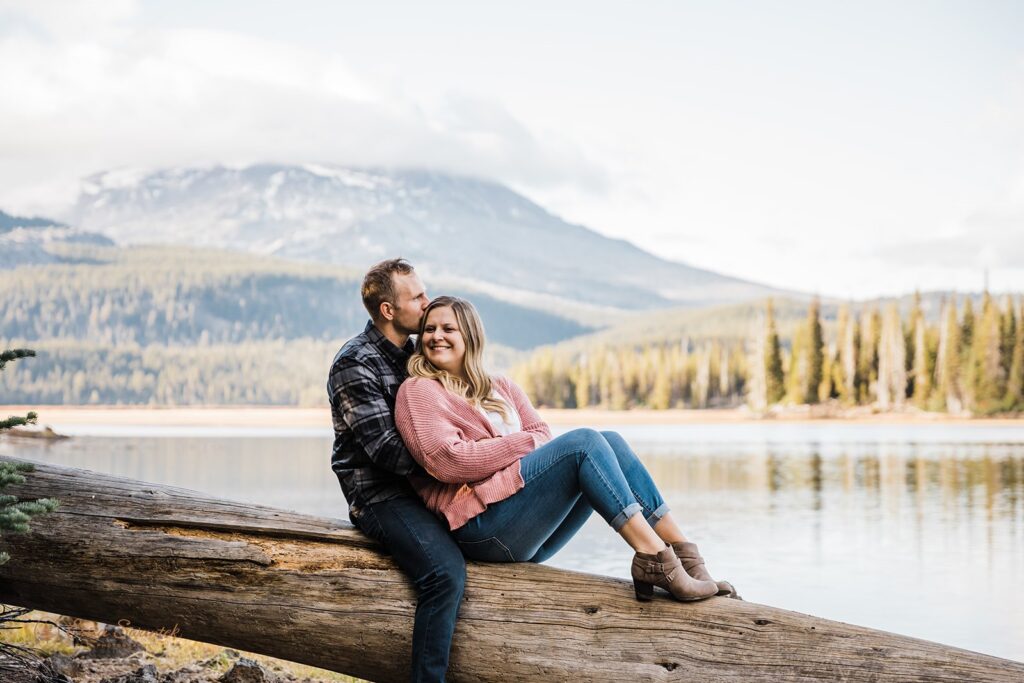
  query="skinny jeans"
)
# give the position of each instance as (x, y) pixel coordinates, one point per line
(566, 480)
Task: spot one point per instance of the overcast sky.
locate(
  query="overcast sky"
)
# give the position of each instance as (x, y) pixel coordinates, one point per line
(853, 149)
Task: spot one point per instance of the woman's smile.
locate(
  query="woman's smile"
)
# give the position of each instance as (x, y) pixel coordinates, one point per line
(443, 343)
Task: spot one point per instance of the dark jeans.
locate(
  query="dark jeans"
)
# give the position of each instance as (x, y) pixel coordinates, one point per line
(423, 547)
(566, 479)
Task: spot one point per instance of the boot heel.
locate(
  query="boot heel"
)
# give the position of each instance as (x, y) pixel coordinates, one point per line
(644, 591)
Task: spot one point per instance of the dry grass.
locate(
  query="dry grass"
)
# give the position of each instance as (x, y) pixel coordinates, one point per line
(166, 651)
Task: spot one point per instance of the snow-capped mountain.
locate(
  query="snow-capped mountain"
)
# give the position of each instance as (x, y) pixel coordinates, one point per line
(466, 231)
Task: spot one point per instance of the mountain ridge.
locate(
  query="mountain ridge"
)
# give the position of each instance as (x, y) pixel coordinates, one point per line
(450, 226)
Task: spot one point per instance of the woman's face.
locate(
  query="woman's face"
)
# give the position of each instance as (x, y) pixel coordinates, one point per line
(443, 344)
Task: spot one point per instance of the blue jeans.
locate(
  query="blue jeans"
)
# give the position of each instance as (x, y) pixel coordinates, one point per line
(566, 479)
(424, 549)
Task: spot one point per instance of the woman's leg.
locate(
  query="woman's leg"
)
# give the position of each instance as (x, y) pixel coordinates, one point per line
(572, 523)
(657, 512)
(555, 474)
(645, 490)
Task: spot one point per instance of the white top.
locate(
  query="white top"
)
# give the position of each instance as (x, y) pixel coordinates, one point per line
(501, 427)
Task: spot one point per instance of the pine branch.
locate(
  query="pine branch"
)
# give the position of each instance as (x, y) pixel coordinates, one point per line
(14, 354)
(15, 421)
(11, 472)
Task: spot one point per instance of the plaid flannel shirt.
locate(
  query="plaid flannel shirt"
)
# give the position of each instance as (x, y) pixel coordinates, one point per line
(369, 456)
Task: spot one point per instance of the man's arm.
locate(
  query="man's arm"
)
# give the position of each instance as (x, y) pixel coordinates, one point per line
(357, 396)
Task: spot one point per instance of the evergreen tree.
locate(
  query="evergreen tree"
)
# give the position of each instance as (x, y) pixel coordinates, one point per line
(986, 381)
(775, 381)
(867, 366)
(15, 514)
(967, 330)
(757, 382)
(702, 381)
(815, 352)
(661, 391)
(796, 375)
(910, 342)
(584, 382)
(921, 373)
(844, 370)
(892, 373)
(948, 394)
(1007, 336)
(1014, 398)
(827, 387)
(725, 383)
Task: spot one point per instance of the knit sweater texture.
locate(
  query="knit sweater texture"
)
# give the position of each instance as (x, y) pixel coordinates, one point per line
(472, 465)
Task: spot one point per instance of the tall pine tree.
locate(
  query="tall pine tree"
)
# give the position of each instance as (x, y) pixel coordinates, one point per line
(1014, 398)
(892, 373)
(775, 381)
(986, 382)
(948, 394)
(815, 353)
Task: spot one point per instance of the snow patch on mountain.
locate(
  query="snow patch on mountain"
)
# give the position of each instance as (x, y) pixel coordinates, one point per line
(468, 228)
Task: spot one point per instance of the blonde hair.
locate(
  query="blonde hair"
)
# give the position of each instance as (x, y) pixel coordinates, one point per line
(477, 386)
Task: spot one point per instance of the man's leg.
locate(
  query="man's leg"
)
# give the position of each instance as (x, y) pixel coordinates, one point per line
(424, 549)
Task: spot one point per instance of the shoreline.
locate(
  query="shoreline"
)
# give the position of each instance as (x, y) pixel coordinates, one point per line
(278, 416)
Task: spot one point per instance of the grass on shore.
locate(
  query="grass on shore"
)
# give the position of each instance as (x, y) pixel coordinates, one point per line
(168, 652)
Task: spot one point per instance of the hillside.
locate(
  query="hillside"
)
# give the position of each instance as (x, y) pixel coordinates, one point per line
(182, 296)
(471, 232)
(735, 323)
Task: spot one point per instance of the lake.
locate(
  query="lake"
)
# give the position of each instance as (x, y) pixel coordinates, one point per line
(916, 529)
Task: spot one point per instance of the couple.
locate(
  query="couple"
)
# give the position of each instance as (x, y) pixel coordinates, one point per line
(439, 460)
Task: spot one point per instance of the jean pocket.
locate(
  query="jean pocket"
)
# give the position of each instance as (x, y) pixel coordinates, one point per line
(487, 550)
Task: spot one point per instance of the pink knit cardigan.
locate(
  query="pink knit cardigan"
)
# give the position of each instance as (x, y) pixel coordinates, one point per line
(471, 465)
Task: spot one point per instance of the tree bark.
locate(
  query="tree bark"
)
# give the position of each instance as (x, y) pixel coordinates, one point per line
(313, 590)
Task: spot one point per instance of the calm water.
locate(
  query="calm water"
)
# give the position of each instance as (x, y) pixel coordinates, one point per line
(913, 529)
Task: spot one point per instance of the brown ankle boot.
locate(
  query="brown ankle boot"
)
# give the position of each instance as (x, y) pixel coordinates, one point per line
(693, 563)
(665, 570)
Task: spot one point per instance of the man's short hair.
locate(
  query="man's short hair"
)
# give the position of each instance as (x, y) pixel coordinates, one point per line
(379, 284)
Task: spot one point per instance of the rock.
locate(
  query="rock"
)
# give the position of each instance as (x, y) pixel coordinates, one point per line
(191, 673)
(247, 671)
(222, 658)
(146, 674)
(113, 644)
(62, 665)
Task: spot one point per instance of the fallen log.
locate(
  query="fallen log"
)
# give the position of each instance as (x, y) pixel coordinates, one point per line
(314, 590)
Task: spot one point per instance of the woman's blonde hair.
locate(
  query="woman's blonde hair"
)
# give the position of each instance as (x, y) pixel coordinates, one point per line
(477, 387)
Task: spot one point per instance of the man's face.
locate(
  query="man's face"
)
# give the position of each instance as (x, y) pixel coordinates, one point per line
(412, 301)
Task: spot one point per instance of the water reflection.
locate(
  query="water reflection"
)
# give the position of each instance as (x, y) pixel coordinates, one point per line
(918, 532)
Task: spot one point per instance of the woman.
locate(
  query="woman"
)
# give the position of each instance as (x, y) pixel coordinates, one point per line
(511, 493)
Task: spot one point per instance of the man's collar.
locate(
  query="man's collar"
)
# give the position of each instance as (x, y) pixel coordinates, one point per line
(378, 339)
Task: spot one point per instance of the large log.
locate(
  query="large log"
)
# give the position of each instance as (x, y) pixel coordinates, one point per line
(314, 590)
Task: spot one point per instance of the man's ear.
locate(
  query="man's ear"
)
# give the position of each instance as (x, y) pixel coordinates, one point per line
(387, 310)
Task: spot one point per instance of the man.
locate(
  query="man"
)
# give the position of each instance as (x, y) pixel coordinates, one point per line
(372, 462)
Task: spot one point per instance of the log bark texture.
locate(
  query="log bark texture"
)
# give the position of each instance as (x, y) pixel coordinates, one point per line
(314, 590)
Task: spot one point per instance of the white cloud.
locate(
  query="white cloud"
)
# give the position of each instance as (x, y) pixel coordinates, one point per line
(992, 237)
(61, 19)
(78, 102)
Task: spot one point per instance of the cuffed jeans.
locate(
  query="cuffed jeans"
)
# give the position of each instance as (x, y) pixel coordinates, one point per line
(566, 479)
(424, 549)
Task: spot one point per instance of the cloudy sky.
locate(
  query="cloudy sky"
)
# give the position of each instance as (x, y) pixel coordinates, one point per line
(853, 149)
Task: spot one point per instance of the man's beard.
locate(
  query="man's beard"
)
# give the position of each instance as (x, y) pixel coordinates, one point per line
(406, 330)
